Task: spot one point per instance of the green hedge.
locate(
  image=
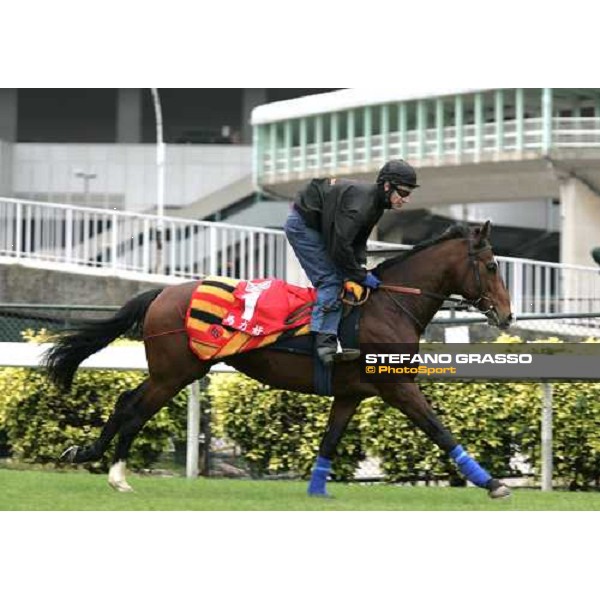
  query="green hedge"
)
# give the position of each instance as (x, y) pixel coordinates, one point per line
(576, 434)
(280, 431)
(39, 422)
(277, 431)
(492, 420)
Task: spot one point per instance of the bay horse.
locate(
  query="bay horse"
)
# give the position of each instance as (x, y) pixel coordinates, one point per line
(458, 262)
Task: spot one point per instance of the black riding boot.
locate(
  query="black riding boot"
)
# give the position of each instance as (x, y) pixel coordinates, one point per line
(327, 346)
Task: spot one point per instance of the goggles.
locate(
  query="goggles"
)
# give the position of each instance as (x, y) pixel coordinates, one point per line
(403, 192)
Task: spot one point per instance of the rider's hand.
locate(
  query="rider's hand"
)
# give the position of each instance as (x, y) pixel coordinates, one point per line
(371, 281)
(354, 288)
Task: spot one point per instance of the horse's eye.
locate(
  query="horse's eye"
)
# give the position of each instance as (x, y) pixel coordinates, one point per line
(492, 267)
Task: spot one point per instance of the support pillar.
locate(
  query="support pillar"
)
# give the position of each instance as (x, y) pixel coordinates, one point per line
(580, 232)
(6, 168)
(580, 226)
(251, 98)
(129, 116)
(8, 136)
(8, 115)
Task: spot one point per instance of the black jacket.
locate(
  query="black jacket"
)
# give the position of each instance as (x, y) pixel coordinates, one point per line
(345, 214)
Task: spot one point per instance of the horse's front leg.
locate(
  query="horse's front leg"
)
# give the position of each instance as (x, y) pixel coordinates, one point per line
(408, 398)
(340, 415)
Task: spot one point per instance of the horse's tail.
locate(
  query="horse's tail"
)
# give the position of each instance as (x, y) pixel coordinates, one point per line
(75, 345)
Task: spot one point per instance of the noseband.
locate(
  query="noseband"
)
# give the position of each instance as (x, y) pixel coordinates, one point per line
(473, 253)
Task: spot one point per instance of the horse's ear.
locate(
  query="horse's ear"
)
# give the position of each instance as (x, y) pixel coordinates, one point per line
(486, 230)
(482, 234)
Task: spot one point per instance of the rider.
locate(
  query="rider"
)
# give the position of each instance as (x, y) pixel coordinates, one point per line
(328, 229)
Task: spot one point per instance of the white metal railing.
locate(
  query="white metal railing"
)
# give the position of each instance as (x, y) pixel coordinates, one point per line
(123, 242)
(126, 242)
(468, 143)
(538, 287)
(579, 132)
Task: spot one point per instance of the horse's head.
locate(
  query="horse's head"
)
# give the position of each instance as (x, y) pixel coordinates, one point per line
(482, 284)
(459, 261)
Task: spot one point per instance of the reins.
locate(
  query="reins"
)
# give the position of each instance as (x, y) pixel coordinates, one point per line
(399, 289)
(460, 302)
(390, 289)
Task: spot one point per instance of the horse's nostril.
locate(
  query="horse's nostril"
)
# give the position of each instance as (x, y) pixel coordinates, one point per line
(508, 321)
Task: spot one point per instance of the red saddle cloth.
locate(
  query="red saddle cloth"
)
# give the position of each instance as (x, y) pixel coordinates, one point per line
(266, 306)
(227, 316)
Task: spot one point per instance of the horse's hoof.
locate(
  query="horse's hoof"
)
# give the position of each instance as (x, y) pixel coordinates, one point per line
(69, 454)
(502, 491)
(120, 486)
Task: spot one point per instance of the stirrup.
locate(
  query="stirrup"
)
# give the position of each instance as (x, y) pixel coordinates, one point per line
(347, 355)
(329, 355)
(327, 350)
(326, 347)
(326, 355)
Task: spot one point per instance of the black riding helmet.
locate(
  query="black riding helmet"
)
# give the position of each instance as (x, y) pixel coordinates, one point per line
(398, 172)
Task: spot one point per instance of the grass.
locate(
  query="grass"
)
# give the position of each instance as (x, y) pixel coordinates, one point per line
(81, 491)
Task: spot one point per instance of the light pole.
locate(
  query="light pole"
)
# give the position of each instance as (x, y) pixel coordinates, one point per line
(87, 177)
(160, 180)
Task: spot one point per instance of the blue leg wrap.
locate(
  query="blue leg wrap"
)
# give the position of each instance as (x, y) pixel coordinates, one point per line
(469, 467)
(318, 478)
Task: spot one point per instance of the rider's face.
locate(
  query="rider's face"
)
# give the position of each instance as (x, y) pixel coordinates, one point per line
(399, 196)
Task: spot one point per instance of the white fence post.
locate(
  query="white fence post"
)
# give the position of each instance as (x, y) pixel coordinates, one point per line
(19, 229)
(546, 437)
(69, 235)
(193, 431)
(114, 241)
(516, 294)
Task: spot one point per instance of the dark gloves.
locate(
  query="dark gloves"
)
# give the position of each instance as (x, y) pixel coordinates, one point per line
(371, 281)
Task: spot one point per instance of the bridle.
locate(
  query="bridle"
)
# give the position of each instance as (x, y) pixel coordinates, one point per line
(472, 255)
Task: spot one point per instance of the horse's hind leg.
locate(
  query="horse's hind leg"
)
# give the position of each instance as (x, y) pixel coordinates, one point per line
(409, 399)
(153, 399)
(96, 450)
(155, 394)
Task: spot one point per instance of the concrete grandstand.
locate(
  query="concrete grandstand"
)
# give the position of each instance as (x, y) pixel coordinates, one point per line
(95, 147)
(527, 158)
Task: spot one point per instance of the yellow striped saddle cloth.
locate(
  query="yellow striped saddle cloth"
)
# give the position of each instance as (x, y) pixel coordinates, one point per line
(209, 339)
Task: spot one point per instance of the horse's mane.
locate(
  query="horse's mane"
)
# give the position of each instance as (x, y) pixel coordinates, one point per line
(453, 232)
